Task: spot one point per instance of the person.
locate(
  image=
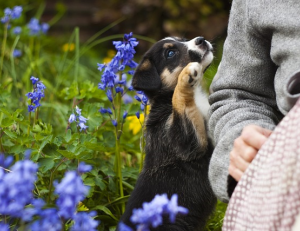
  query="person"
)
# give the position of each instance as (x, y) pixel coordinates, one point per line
(256, 85)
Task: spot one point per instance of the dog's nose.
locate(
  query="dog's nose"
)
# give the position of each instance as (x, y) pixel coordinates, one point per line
(199, 41)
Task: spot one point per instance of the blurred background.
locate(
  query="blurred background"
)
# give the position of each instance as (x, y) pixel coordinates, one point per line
(154, 19)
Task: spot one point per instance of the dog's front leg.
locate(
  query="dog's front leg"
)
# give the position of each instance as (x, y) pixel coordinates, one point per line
(189, 81)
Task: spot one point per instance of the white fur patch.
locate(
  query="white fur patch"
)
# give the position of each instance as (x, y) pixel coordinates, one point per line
(200, 96)
(201, 100)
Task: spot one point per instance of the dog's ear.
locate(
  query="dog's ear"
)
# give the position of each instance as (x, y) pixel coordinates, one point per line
(146, 77)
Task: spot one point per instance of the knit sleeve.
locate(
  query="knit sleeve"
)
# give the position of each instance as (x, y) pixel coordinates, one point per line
(243, 93)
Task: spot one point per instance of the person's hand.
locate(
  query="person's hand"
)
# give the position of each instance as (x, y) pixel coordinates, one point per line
(245, 148)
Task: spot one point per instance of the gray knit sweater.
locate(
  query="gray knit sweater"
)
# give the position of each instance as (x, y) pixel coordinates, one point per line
(258, 79)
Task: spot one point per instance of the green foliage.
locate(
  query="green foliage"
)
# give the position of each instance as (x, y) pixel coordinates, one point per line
(71, 77)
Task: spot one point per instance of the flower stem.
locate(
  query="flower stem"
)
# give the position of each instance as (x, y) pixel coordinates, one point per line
(3, 48)
(118, 160)
(143, 143)
(51, 179)
(12, 60)
(28, 129)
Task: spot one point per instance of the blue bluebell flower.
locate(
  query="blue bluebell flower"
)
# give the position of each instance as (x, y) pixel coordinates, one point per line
(35, 28)
(16, 12)
(84, 222)
(102, 110)
(151, 215)
(72, 118)
(114, 122)
(119, 90)
(34, 80)
(49, 220)
(7, 11)
(45, 27)
(4, 227)
(137, 114)
(125, 114)
(173, 209)
(79, 119)
(36, 95)
(17, 30)
(109, 111)
(125, 53)
(11, 14)
(109, 95)
(127, 99)
(16, 188)
(123, 227)
(143, 99)
(17, 53)
(5, 162)
(71, 191)
(82, 168)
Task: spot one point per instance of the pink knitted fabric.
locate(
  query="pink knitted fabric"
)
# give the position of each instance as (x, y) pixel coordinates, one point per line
(268, 195)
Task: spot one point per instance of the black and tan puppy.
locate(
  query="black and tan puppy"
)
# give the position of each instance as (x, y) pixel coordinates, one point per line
(178, 149)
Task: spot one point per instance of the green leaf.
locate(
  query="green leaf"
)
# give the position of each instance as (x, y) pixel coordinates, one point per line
(46, 140)
(68, 154)
(58, 141)
(46, 164)
(6, 122)
(119, 200)
(89, 181)
(93, 146)
(10, 134)
(105, 210)
(99, 182)
(68, 135)
(17, 149)
(109, 139)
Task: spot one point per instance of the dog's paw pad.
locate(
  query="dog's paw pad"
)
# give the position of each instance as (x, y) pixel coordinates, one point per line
(194, 73)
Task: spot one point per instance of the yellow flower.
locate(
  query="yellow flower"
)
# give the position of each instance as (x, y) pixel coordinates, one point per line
(135, 124)
(68, 47)
(110, 55)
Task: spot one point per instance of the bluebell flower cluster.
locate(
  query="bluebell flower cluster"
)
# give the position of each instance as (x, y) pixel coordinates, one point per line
(16, 186)
(124, 57)
(35, 28)
(4, 227)
(17, 53)
(151, 215)
(11, 14)
(84, 221)
(114, 76)
(49, 220)
(143, 99)
(17, 30)
(71, 191)
(36, 95)
(16, 193)
(79, 119)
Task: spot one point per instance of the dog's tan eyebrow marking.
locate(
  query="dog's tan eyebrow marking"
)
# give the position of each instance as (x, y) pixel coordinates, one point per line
(145, 65)
(170, 78)
(168, 45)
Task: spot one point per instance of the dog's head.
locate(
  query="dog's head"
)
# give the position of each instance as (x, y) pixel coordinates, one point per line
(162, 64)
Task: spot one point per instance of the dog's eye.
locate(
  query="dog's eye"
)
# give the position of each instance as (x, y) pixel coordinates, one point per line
(170, 54)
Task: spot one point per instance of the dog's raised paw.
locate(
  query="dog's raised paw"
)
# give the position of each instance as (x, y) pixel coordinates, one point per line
(192, 73)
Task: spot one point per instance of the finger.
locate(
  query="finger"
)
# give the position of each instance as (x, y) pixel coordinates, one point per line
(242, 149)
(235, 173)
(255, 136)
(238, 162)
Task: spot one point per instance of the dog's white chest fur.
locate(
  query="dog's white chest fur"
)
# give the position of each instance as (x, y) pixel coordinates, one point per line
(201, 100)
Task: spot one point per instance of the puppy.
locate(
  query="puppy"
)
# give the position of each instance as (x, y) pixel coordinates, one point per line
(178, 149)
